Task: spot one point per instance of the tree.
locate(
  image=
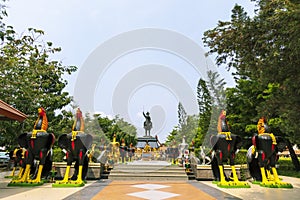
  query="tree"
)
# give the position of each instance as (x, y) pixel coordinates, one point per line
(92, 127)
(183, 125)
(182, 116)
(189, 130)
(205, 106)
(187, 126)
(242, 102)
(3, 14)
(265, 49)
(30, 78)
(203, 98)
(119, 127)
(172, 135)
(216, 86)
(127, 131)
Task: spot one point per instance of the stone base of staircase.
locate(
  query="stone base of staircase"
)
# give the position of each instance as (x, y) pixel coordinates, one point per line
(204, 172)
(148, 170)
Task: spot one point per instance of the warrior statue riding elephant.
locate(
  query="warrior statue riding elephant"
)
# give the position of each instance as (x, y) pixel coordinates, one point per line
(76, 145)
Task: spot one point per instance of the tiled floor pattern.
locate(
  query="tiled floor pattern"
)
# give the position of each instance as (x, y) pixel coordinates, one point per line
(133, 190)
(152, 191)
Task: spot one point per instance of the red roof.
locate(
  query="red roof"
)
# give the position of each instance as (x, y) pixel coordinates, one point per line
(7, 112)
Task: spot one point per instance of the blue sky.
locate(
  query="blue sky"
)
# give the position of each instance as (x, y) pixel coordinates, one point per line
(82, 27)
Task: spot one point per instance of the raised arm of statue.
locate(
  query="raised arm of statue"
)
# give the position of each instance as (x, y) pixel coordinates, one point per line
(147, 116)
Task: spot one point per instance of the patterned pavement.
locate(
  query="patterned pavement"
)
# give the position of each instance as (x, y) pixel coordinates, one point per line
(146, 190)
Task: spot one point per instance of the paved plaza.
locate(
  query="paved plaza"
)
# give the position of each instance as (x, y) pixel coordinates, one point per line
(141, 190)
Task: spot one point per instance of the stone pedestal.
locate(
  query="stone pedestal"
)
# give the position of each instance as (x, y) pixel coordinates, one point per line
(204, 172)
(152, 141)
(94, 172)
(146, 156)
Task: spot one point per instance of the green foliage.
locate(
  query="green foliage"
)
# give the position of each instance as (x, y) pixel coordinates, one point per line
(96, 125)
(285, 163)
(58, 155)
(117, 126)
(205, 106)
(204, 99)
(242, 102)
(198, 128)
(188, 130)
(251, 129)
(182, 116)
(3, 14)
(171, 136)
(187, 126)
(241, 157)
(191, 128)
(62, 123)
(286, 167)
(264, 51)
(91, 126)
(216, 87)
(31, 79)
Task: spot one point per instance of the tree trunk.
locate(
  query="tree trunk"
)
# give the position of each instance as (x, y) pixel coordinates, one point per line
(293, 156)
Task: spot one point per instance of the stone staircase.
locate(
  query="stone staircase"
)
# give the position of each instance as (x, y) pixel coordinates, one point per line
(148, 170)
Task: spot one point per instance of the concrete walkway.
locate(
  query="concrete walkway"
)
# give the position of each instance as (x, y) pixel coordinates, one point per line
(257, 192)
(139, 190)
